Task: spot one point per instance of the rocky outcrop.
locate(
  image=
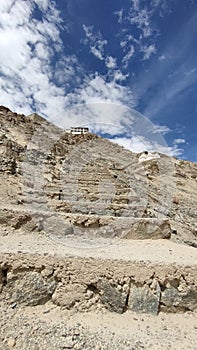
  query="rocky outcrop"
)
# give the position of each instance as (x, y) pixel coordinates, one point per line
(46, 173)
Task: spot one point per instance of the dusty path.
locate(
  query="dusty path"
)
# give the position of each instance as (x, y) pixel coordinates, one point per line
(158, 251)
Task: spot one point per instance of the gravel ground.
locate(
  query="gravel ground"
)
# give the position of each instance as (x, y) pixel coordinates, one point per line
(47, 327)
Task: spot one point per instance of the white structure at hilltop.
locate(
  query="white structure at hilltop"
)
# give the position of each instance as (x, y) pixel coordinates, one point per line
(77, 130)
(148, 156)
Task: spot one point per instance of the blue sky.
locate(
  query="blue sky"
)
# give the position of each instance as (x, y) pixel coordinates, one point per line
(96, 62)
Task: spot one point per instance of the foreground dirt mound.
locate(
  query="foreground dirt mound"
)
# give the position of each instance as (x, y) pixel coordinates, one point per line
(47, 327)
(56, 297)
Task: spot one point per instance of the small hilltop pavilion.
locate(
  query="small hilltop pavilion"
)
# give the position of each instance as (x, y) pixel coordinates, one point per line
(78, 130)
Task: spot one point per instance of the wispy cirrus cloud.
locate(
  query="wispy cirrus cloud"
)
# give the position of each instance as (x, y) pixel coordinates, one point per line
(95, 41)
(172, 76)
(142, 40)
(175, 70)
(110, 62)
(97, 44)
(119, 15)
(148, 51)
(141, 18)
(128, 56)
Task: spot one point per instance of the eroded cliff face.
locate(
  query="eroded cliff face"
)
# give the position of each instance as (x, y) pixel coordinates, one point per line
(83, 185)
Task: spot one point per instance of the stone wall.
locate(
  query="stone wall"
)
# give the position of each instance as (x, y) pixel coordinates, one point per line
(83, 284)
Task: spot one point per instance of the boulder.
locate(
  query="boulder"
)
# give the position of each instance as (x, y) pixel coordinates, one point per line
(113, 299)
(30, 288)
(172, 300)
(146, 229)
(144, 300)
(57, 226)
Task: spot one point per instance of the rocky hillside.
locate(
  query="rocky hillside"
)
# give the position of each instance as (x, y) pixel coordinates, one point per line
(83, 186)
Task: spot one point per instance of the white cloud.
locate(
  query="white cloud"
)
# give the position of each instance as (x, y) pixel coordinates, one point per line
(128, 56)
(5, 5)
(95, 89)
(120, 15)
(163, 5)
(68, 71)
(128, 39)
(27, 46)
(88, 31)
(179, 141)
(162, 58)
(136, 5)
(96, 52)
(110, 62)
(191, 71)
(148, 51)
(96, 42)
(101, 116)
(119, 76)
(163, 129)
(138, 144)
(43, 5)
(139, 19)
